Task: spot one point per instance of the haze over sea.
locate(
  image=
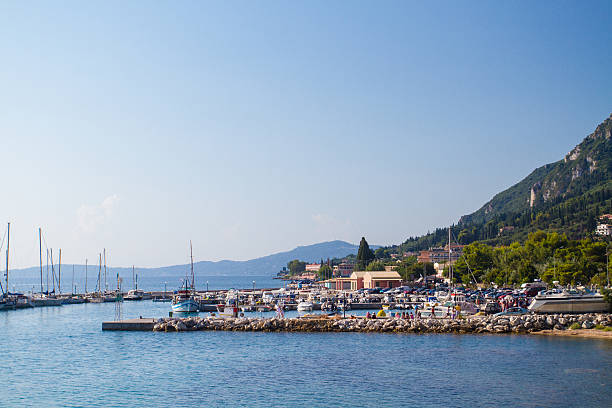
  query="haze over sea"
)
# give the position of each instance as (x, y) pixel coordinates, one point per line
(60, 357)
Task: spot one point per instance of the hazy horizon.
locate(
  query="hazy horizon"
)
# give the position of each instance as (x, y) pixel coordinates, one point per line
(254, 128)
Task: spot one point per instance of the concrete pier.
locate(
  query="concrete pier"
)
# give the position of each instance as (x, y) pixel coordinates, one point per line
(146, 324)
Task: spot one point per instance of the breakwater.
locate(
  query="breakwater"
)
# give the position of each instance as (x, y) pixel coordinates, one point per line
(475, 324)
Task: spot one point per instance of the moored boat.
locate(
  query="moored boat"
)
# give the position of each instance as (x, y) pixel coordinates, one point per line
(568, 301)
(184, 301)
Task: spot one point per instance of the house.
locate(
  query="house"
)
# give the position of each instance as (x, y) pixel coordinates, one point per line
(604, 230)
(381, 279)
(357, 280)
(440, 254)
(313, 267)
(344, 269)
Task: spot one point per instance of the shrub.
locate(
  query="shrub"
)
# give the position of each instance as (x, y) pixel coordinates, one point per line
(575, 326)
(599, 327)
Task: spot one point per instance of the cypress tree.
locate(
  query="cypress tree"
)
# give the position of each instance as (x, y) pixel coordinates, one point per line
(364, 255)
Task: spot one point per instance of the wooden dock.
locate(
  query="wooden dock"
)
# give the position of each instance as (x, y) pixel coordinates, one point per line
(142, 324)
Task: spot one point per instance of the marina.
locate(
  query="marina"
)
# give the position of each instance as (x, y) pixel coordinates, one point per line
(40, 342)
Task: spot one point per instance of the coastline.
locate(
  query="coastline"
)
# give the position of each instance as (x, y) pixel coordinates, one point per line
(580, 333)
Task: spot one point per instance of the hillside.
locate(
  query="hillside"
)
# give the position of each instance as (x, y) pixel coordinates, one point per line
(566, 196)
(267, 265)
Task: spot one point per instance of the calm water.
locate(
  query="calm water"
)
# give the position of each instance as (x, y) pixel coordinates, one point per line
(60, 357)
(26, 285)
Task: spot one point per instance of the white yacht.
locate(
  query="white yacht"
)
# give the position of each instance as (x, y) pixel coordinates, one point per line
(568, 301)
(304, 306)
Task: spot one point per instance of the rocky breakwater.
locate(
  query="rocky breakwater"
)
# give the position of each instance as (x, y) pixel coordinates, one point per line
(474, 324)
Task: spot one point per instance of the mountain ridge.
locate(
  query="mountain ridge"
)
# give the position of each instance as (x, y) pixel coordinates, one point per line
(265, 265)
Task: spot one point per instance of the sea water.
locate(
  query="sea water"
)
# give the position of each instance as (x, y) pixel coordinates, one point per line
(59, 356)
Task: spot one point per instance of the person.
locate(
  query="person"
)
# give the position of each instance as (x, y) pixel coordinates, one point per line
(368, 315)
(433, 312)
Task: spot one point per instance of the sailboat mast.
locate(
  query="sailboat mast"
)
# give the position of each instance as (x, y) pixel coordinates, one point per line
(192, 274)
(133, 279)
(72, 283)
(99, 284)
(8, 243)
(40, 256)
(450, 267)
(47, 270)
(59, 273)
(85, 275)
(52, 271)
(105, 283)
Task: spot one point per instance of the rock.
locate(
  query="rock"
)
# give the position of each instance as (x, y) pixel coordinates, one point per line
(587, 325)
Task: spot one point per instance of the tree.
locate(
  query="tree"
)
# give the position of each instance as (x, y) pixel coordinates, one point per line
(364, 255)
(296, 266)
(325, 272)
(376, 266)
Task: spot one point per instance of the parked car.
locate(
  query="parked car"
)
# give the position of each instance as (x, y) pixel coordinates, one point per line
(513, 311)
(492, 308)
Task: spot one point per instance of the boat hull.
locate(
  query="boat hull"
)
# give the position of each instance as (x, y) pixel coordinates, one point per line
(185, 306)
(46, 302)
(595, 304)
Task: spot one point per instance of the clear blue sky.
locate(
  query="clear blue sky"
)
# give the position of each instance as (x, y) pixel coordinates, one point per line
(254, 127)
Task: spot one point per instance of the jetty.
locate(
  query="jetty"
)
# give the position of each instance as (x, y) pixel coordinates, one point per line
(316, 323)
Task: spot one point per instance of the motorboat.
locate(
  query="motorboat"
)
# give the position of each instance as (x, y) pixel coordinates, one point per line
(227, 310)
(134, 294)
(568, 301)
(304, 306)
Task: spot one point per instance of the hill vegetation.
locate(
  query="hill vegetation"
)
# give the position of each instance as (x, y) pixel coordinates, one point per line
(565, 197)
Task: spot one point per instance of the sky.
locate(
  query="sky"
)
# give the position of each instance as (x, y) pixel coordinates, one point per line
(254, 127)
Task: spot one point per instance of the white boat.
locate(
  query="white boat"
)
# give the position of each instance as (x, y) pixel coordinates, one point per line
(568, 301)
(227, 310)
(134, 294)
(304, 306)
(45, 300)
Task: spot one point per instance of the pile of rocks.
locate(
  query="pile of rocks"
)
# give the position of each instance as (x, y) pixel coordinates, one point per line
(474, 324)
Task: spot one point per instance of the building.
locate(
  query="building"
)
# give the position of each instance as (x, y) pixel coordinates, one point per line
(440, 254)
(344, 269)
(604, 230)
(381, 279)
(313, 267)
(357, 280)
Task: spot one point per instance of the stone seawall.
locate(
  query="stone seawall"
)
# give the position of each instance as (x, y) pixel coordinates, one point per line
(475, 324)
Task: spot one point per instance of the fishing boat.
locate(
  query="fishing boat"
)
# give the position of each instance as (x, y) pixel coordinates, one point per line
(568, 301)
(184, 299)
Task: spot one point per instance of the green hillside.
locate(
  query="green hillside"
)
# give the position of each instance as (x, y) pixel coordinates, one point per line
(566, 197)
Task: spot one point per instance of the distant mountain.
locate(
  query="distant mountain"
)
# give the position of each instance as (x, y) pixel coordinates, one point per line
(566, 196)
(267, 265)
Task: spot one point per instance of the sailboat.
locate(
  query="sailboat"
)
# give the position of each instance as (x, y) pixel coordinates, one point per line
(184, 300)
(442, 306)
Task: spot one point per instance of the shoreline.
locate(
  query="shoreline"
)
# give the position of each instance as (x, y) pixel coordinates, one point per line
(577, 333)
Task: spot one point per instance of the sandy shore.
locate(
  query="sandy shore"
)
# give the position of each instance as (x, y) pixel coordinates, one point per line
(584, 333)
